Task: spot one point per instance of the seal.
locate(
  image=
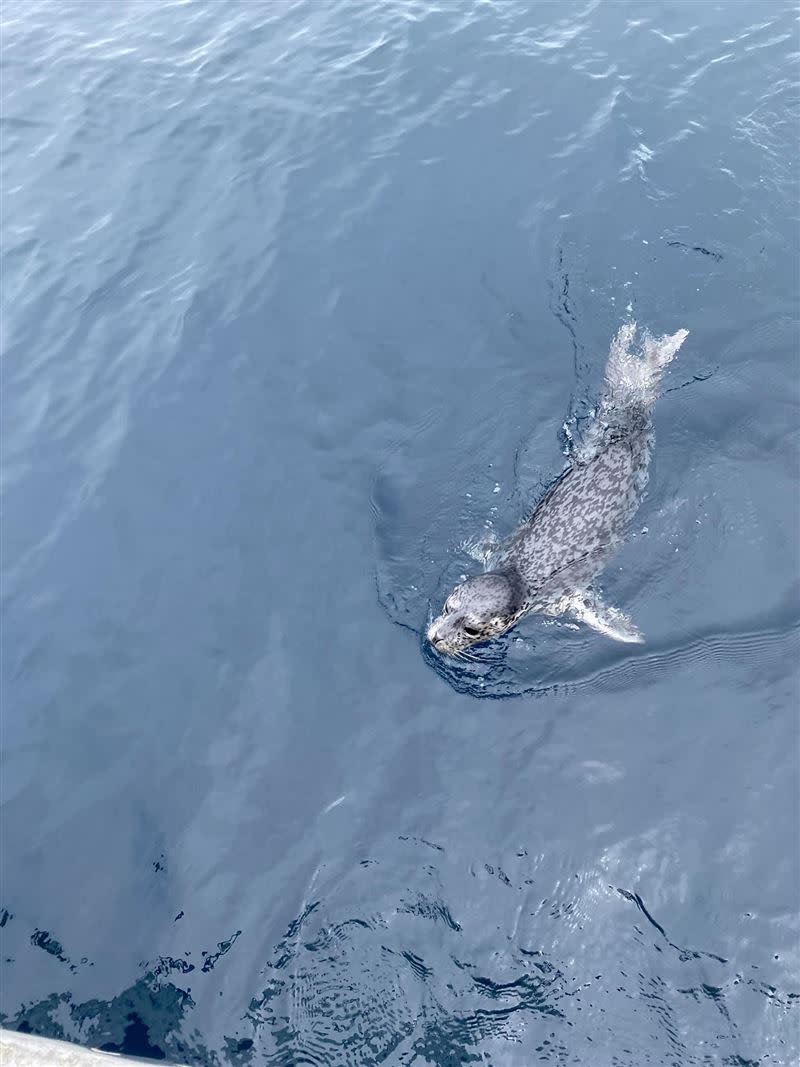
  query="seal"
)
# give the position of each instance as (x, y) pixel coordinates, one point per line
(548, 564)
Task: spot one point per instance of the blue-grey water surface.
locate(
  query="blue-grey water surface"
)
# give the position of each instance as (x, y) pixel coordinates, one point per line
(297, 297)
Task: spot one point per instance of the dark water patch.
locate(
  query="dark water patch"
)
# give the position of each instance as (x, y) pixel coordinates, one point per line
(223, 947)
(42, 939)
(717, 256)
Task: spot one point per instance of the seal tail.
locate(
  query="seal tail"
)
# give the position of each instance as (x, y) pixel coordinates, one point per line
(633, 377)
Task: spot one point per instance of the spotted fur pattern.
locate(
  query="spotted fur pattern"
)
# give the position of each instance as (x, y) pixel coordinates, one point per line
(580, 522)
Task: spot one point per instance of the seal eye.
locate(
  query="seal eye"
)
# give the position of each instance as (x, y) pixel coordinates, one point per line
(470, 631)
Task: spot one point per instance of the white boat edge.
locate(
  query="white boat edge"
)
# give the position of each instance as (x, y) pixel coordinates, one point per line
(28, 1050)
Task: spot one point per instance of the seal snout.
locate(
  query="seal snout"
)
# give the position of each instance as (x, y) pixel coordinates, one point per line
(444, 633)
(437, 632)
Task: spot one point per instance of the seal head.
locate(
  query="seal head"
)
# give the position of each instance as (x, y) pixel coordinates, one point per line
(479, 608)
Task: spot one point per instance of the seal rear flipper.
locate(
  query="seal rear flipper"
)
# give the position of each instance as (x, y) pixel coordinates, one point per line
(589, 609)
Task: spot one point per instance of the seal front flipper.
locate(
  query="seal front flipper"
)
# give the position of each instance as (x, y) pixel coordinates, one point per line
(589, 609)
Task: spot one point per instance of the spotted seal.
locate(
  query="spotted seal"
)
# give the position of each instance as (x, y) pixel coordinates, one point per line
(548, 564)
